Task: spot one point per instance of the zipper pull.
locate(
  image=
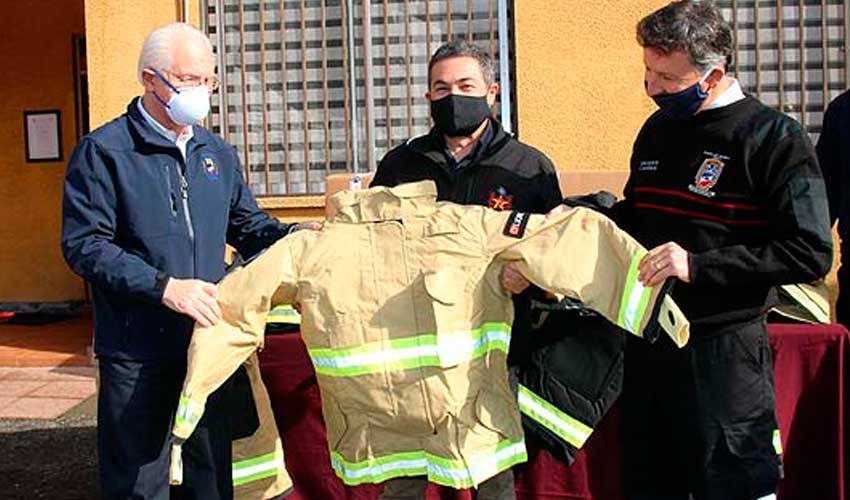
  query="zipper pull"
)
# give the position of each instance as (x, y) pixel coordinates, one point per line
(184, 187)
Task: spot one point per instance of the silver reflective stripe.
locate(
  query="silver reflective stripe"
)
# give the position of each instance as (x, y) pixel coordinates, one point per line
(456, 473)
(253, 469)
(544, 413)
(635, 299)
(437, 350)
(777, 441)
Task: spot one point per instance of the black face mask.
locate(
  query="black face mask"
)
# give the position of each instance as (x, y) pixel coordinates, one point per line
(459, 115)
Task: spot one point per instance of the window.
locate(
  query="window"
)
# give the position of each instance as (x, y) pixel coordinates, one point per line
(792, 54)
(299, 100)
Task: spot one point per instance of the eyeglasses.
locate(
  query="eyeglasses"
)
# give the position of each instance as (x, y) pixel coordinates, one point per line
(181, 81)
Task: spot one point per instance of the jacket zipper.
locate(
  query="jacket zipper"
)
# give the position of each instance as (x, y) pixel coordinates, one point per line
(171, 197)
(184, 194)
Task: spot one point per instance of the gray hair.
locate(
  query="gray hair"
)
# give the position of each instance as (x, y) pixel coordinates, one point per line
(157, 49)
(463, 48)
(692, 26)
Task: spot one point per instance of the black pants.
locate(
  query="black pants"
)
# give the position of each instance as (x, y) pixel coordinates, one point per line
(699, 422)
(135, 408)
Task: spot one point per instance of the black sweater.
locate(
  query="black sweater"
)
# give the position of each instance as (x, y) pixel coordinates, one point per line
(740, 189)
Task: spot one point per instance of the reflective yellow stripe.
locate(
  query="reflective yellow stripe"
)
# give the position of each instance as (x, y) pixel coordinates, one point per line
(254, 469)
(284, 314)
(438, 350)
(544, 413)
(635, 299)
(189, 413)
(777, 441)
(448, 472)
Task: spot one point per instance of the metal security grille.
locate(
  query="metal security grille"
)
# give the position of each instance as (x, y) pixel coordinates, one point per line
(792, 54)
(311, 87)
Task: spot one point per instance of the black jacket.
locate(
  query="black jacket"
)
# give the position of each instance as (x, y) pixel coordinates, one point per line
(128, 224)
(834, 157)
(505, 175)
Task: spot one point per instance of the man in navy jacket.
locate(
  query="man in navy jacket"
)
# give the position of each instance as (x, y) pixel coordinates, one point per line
(150, 202)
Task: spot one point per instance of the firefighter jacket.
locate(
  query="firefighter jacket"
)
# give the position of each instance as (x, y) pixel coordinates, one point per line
(570, 380)
(258, 465)
(408, 327)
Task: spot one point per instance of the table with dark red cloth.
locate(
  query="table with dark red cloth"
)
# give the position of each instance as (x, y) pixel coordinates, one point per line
(811, 365)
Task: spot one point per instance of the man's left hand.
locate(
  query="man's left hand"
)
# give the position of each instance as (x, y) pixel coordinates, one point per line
(312, 226)
(512, 280)
(662, 262)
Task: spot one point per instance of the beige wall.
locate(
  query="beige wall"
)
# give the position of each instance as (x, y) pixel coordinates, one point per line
(37, 74)
(580, 80)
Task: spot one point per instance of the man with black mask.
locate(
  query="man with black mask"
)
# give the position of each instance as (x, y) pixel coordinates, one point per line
(473, 161)
(467, 153)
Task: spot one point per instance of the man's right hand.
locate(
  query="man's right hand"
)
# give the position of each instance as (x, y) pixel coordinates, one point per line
(194, 298)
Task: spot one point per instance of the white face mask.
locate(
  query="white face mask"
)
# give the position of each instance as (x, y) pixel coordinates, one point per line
(188, 105)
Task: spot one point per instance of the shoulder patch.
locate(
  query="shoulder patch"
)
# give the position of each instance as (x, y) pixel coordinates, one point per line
(515, 227)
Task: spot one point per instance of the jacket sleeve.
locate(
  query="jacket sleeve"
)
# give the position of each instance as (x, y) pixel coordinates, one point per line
(246, 295)
(548, 186)
(89, 227)
(800, 247)
(250, 229)
(828, 150)
(585, 256)
(383, 174)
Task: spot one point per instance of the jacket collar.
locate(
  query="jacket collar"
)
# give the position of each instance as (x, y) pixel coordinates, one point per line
(433, 145)
(143, 132)
(383, 203)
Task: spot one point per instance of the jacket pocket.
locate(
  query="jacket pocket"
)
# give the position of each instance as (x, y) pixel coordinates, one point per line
(751, 443)
(348, 433)
(454, 342)
(498, 412)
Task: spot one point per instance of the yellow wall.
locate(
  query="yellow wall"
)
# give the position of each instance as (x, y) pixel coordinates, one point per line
(37, 74)
(579, 80)
(115, 32)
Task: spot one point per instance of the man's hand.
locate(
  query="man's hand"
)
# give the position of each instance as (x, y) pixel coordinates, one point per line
(194, 298)
(311, 225)
(512, 280)
(663, 262)
(557, 210)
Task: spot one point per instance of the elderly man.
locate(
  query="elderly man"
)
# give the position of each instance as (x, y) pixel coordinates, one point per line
(150, 201)
(728, 195)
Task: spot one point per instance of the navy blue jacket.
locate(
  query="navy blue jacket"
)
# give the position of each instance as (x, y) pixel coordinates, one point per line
(135, 214)
(834, 158)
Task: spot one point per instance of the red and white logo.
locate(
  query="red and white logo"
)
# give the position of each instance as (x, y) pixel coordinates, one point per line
(707, 175)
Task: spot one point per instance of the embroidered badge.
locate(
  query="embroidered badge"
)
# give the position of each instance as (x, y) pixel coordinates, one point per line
(708, 174)
(515, 228)
(211, 168)
(500, 199)
(648, 166)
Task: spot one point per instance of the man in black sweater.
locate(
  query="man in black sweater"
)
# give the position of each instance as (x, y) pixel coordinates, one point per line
(728, 195)
(473, 161)
(834, 157)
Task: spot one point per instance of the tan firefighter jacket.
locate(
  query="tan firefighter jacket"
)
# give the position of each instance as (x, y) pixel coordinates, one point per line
(258, 467)
(408, 327)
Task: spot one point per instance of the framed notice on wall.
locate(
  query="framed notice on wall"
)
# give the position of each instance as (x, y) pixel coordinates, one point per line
(43, 135)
